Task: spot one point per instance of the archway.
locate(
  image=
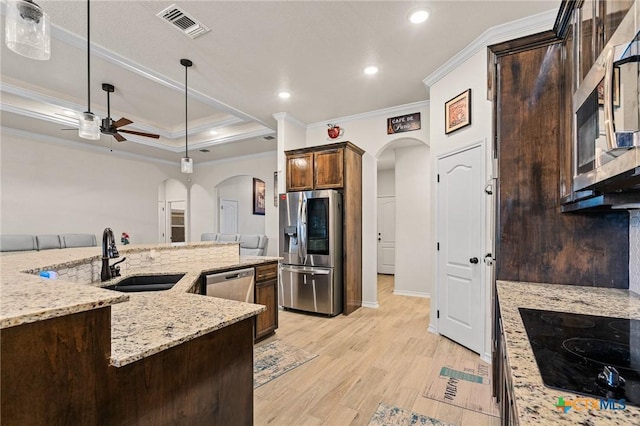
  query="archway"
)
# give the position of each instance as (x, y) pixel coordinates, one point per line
(404, 185)
(237, 190)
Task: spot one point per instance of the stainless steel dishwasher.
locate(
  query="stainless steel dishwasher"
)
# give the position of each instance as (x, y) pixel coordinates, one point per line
(235, 285)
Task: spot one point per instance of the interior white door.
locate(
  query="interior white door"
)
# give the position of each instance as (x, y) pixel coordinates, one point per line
(228, 216)
(386, 235)
(460, 221)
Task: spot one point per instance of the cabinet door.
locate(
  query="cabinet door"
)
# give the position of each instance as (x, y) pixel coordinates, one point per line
(267, 321)
(329, 172)
(300, 172)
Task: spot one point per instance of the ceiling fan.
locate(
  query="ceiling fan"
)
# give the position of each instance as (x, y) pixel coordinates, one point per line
(110, 127)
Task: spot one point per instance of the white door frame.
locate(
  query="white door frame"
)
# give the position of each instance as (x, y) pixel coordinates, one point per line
(487, 208)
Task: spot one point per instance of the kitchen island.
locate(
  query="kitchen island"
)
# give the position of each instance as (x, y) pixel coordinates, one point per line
(77, 353)
(532, 402)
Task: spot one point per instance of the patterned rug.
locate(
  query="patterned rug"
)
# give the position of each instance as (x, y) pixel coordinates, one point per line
(274, 359)
(388, 415)
(464, 384)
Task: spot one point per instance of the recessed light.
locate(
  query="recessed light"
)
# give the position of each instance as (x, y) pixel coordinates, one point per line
(284, 95)
(418, 16)
(371, 70)
(213, 132)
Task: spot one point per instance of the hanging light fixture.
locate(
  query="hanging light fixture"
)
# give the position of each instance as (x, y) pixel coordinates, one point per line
(89, 122)
(186, 163)
(27, 31)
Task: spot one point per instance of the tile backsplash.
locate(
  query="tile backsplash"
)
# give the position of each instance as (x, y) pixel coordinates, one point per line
(634, 251)
(90, 271)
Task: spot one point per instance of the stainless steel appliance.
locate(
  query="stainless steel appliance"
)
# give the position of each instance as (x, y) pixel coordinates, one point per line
(586, 354)
(606, 113)
(234, 285)
(311, 248)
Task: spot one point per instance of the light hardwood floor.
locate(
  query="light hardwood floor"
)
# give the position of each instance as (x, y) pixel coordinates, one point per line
(368, 357)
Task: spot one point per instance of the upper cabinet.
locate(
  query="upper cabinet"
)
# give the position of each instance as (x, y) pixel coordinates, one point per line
(321, 167)
(602, 68)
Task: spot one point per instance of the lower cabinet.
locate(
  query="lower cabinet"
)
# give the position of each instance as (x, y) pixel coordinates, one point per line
(502, 386)
(266, 293)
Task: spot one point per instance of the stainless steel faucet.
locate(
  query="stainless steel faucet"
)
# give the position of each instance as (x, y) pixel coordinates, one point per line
(109, 251)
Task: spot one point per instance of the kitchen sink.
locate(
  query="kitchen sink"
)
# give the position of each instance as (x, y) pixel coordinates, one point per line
(146, 283)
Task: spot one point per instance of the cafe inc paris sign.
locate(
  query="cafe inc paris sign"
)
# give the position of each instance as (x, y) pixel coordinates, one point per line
(403, 123)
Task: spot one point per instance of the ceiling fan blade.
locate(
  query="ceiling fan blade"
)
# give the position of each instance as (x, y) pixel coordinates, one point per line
(148, 135)
(119, 137)
(122, 122)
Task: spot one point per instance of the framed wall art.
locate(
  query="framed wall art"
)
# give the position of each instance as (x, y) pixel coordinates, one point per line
(457, 112)
(259, 195)
(616, 89)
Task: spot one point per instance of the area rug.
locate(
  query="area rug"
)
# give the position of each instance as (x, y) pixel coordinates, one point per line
(276, 358)
(465, 384)
(388, 415)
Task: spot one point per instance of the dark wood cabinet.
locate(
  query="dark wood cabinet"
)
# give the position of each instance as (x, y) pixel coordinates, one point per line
(533, 138)
(328, 172)
(300, 172)
(336, 166)
(266, 293)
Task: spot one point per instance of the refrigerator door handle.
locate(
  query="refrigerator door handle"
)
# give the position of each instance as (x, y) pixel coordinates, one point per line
(302, 237)
(306, 270)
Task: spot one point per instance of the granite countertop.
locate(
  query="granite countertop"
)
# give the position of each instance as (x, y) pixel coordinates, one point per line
(142, 323)
(534, 401)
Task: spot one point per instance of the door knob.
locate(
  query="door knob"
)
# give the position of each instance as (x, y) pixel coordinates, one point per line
(474, 260)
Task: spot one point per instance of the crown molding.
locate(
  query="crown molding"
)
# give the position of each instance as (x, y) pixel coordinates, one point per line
(254, 134)
(70, 121)
(82, 145)
(115, 59)
(372, 114)
(533, 24)
(238, 158)
(290, 118)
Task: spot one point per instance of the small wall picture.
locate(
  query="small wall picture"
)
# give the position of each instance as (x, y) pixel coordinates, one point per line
(259, 195)
(457, 112)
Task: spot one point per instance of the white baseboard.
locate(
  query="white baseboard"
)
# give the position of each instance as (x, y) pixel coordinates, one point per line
(432, 329)
(373, 305)
(411, 293)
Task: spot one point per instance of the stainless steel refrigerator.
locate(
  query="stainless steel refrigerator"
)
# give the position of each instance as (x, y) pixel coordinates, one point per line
(311, 248)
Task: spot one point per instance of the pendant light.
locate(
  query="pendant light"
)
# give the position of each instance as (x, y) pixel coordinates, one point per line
(186, 163)
(27, 31)
(89, 122)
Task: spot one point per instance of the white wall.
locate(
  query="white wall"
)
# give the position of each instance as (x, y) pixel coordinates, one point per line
(413, 235)
(471, 74)
(207, 176)
(54, 187)
(386, 183)
(240, 188)
(369, 132)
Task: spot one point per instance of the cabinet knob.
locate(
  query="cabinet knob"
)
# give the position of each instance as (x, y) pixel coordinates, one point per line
(473, 260)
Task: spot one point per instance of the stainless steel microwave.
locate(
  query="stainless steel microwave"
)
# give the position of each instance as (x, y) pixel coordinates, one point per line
(606, 109)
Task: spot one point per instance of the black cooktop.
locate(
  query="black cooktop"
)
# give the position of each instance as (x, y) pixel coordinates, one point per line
(572, 350)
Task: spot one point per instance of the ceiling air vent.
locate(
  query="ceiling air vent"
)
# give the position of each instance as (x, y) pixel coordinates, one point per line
(180, 20)
(268, 138)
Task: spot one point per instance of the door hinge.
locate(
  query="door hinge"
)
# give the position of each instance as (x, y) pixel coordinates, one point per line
(221, 207)
(438, 177)
(438, 313)
(437, 246)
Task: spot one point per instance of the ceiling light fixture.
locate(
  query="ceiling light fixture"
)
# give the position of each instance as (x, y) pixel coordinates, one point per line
(27, 31)
(418, 16)
(89, 123)
(284, 95)
(186, 163)
(371, 70)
